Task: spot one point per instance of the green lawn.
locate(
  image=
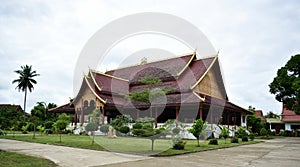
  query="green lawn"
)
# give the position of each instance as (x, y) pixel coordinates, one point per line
(8, 159)
(133, 145)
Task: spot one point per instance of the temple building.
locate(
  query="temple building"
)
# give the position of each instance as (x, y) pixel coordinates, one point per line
(197, 91)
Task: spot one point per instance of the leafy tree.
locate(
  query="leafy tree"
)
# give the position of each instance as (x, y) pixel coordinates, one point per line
(41, 111)
(147, 130)
(25, 81)
(96, 116)
(9, 116)
(150, 93)
(254, 123)
(121, 120)
(61, 124)
(41, 128)
(34, 121)
(92, 127)
(271, 115)
(286, 85)
(197, 129)
(225, 133)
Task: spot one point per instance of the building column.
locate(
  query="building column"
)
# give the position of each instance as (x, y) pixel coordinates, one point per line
(137, 114)
(177, 112)
(102, 108)
(228, 117)
(156, 117)
(201, 112)
(234, 118)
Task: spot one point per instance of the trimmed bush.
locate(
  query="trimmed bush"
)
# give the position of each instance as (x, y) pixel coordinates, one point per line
(263, 132)
(138, 132)
(137, 126)
(179, 145)
(213, 142)
(104, 128)
(235, 140)
(245, 138)
(251, 136)
(241, 132)
(124, 129)
(147, 126)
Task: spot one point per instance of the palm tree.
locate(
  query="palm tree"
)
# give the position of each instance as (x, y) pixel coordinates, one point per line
(25, 81)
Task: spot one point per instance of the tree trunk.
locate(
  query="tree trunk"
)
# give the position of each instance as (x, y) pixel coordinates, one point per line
(198, 142)
(25, 103)
(93, 137)
(152, 142)
(33, 132)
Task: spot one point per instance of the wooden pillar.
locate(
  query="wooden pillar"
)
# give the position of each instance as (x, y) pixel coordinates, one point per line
(82, 117)
(234, 118)
(177, 112)
(228, 114)
(210, 117)
(75, 120)
(102, 108)
(137, 114)
(201, 111)
(156, 117)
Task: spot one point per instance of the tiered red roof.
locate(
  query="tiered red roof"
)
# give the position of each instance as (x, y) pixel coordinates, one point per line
(180, 73)
(259, 113)
(289, 116)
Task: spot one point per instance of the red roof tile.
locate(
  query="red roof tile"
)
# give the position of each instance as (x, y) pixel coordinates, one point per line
(259, 113)
(289, 116)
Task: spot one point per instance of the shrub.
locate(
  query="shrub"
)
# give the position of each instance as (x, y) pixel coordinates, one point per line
(24, 132)
(251, 136)
(241, 132)
(48, 131)
(124, 129)
(21, 124)
(30, 126)
(2, 133)
(137, 126)
(179, 145)
(235, 140)
(263, 132)
(91, 127)
(245, 138)
(288, 133)
(147, 126)
(213, 142)
(48, 124)
(104, 128)
(138, 132)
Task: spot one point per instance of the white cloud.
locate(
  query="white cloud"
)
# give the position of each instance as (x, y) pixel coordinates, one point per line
(255, 38)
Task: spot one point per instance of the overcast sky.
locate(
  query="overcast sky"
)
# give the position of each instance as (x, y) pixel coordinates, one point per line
(255, 38)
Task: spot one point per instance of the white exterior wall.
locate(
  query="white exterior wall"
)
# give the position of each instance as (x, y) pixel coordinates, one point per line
(288, 126)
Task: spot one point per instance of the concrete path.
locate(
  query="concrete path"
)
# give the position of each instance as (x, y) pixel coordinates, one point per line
(284, 152)
(67, 156)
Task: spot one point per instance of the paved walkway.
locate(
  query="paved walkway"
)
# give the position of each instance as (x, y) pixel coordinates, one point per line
(284, 152)
(67, 156)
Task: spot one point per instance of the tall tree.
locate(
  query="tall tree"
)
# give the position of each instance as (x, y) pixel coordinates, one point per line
(286, 85)
(25, 81)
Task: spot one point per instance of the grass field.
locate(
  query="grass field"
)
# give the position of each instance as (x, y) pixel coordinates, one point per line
(132, 145)
(8, 159)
